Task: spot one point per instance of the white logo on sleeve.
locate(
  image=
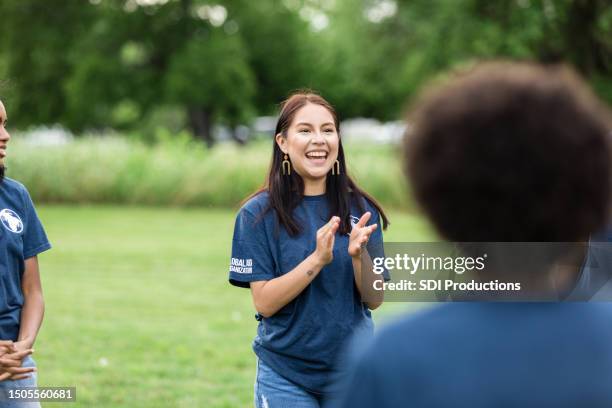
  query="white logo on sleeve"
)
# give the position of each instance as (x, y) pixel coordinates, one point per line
(241, 265)
(11, 221)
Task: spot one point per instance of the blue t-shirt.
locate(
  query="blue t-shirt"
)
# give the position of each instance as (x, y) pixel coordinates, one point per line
(488, 355)
(21, 237)
(303, 339)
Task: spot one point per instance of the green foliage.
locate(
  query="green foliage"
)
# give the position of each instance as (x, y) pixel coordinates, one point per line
(100, 64)
(36, 55)
(375, 63)
(177, 171)
(279, 48)
(211, 72)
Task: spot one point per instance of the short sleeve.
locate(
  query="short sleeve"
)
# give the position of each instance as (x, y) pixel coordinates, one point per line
(375, 244)
(35, 239)
(251, 258)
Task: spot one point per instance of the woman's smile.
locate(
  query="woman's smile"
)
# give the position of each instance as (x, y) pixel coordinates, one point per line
(317, 157)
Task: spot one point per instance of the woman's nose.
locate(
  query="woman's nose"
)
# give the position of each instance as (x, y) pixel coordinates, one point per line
(318, 138)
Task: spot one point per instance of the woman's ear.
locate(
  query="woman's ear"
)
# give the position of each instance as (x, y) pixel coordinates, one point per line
(281, 142)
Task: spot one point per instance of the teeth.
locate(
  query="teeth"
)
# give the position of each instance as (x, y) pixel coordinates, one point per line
(316, 155)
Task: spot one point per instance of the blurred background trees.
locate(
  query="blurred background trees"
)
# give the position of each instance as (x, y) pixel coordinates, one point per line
(137, 65)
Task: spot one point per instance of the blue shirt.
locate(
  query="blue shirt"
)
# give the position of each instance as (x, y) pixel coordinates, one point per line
(489, 355)
(21, 237)
(303, 339)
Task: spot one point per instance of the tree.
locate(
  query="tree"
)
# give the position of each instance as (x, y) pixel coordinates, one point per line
(278, 47)
(35, 58)
(110, 63)
(379, 53)
(211, 77)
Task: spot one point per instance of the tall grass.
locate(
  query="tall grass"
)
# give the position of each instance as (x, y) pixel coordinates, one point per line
(176, 172)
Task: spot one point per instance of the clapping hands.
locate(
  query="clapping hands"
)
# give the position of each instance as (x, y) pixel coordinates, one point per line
(360, 234)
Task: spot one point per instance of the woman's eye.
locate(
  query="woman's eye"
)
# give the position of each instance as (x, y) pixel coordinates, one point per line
(304, 131)
(328, 130)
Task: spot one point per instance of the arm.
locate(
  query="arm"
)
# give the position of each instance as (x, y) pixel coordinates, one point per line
(270, 296)
(365, 276)
(362, 263)
(33, 306)
(12, 353)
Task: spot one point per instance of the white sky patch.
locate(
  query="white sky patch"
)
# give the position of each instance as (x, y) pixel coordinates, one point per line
(319, 22)
(132, 5)
(381, 10)
(317, 19)
(150, 2)
(216, 15)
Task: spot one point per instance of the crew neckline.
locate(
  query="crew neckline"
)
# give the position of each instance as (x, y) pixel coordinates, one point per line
(314, 197)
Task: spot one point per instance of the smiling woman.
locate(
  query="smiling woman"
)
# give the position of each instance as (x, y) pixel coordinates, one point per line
(313, 148)
(303, 244)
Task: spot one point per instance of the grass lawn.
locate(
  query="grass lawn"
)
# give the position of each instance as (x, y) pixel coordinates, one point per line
(139, 312)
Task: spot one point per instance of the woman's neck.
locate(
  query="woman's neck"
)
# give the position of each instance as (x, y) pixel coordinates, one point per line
(314, 187)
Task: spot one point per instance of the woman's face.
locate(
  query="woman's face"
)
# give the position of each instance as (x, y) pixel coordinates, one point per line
(4, 134)
(312, 142)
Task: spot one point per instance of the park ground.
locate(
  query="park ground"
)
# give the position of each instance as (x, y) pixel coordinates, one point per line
(139, 312)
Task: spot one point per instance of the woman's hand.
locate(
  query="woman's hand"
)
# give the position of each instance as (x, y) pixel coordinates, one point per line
(325, 241)
(24, 344)
(360, 234)
(7, 347)
(11, 359)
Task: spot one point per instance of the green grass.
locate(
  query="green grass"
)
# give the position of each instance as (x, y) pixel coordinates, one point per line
(139, 312)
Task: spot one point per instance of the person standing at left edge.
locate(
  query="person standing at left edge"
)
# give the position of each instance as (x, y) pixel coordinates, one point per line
(22, 238)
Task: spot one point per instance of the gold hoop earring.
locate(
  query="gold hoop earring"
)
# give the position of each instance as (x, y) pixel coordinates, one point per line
(336, 169)
(286, 166)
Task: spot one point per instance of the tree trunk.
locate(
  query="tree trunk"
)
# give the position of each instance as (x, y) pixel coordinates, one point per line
(235, 136)
(580, 35)
(200, 124)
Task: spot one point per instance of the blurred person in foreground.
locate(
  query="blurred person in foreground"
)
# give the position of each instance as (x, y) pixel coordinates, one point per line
(22, 238)
(505, 152)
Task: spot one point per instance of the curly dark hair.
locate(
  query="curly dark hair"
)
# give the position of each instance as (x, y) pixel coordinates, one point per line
(511, 152)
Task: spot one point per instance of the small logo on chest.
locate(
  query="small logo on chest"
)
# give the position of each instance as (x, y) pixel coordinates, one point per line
(11, 221)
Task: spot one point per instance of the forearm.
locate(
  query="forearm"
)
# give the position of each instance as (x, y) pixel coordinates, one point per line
(33, 305)
(365, 278)
(31, 317)
(270, 296)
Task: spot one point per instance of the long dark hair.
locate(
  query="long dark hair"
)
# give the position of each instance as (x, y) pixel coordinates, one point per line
(287, 191)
